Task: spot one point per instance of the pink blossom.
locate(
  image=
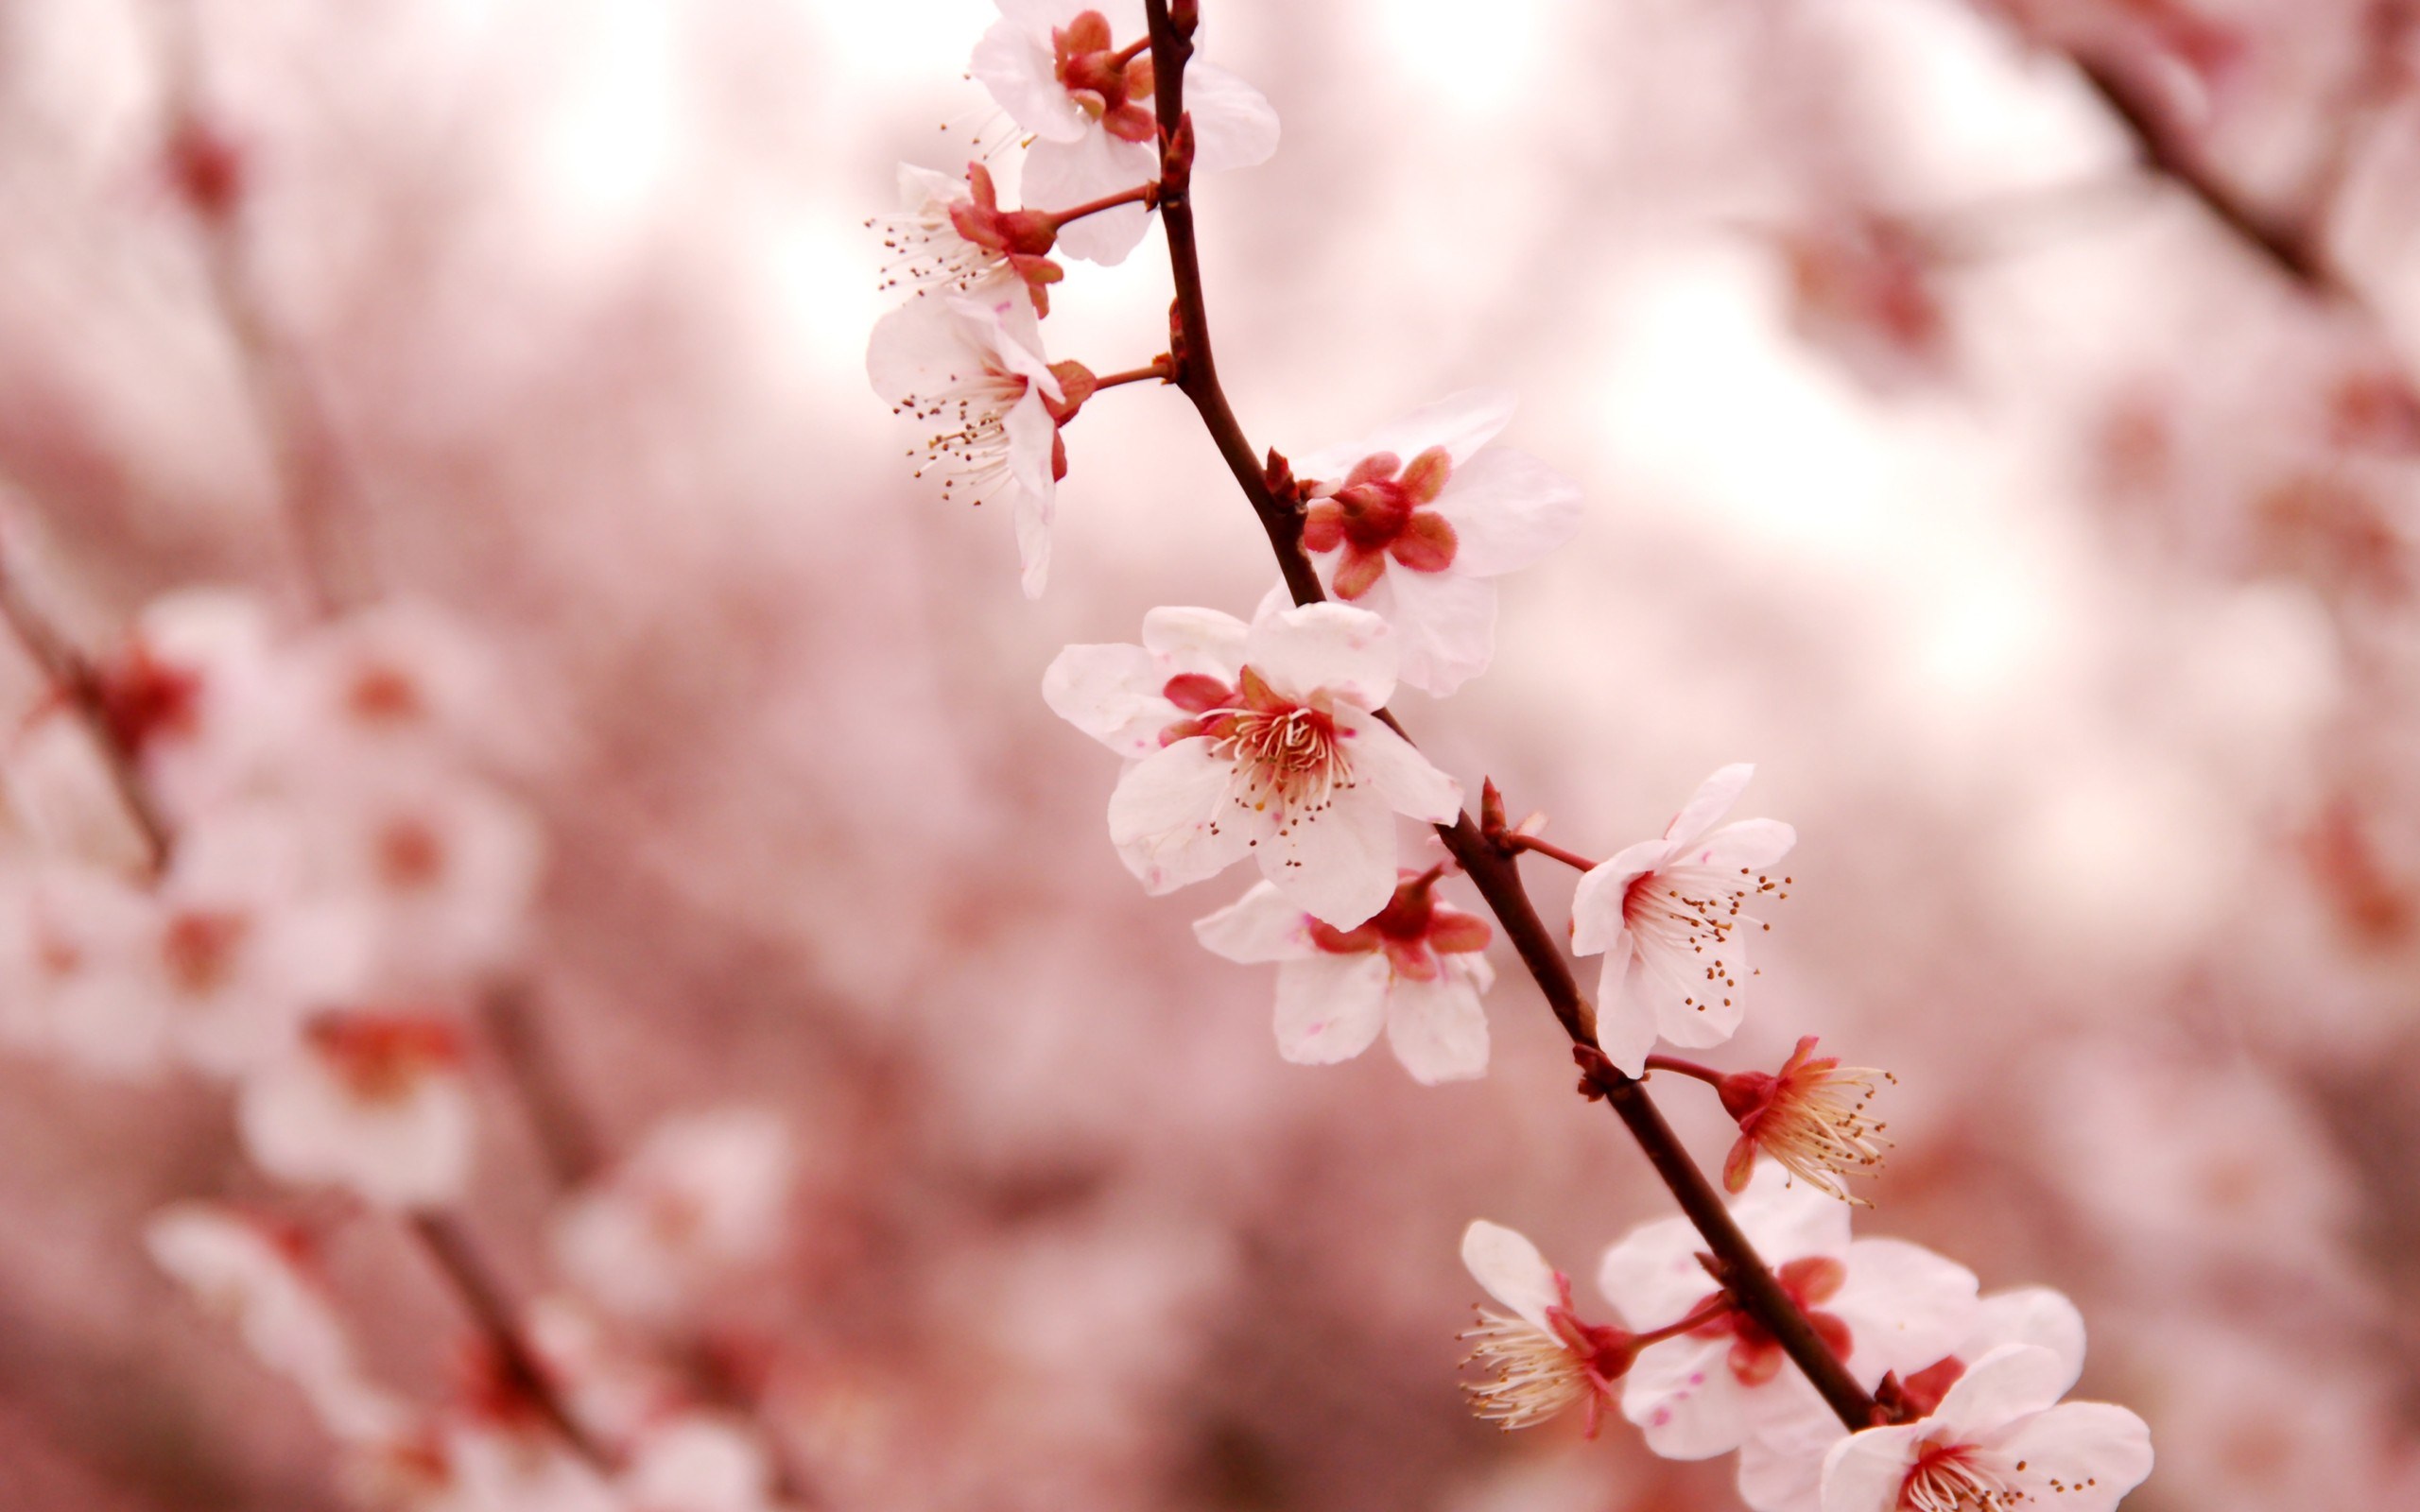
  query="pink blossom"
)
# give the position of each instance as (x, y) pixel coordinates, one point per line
(951, 236)
(1075, 76)
(187, 693)
(1669, 916)
(1415, 969)
(1545, 1359)
(67, 931)
(2000, 1437)
(1880, 1304)
(1414, 522)
(695, 1462)
(371, 1100)
(971, 366)
(1267, 746)
(701, 1200)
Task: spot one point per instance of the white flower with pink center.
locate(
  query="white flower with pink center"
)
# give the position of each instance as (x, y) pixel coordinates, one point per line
(701, 1200)
(1076, 76)
(1415, 970)
(1999, 1440)
(262, 1279)
(694, 1462)
(1256, 741)
(371, 1100)
(68, 932)
(1782, 1471)
(186, 696)
(1543, 1358)
(951, 236)
(1880, 1304)
(1416, 522)
(1670, 918)
(971, 367)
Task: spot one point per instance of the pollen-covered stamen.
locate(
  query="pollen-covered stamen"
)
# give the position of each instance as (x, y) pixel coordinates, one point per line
(1107, 83)
(1756, 1356)
(1287, 755)
(971, 451)
(1696, 909)
(382, 1055)
(952, 245)
(1810, 1117)
(1949, 1476)
(1376, 513)
(1536, 1374)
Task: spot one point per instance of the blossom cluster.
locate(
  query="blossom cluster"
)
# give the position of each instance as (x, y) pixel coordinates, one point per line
(1268, 739)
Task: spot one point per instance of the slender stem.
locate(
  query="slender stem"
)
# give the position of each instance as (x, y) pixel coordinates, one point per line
(1719, 1307)
(449, 1244)
(1741, 1272)
(1548, 849)
(568, 1140)
(1685, 1067)
(1156, 370)
(1142, 194)
(77, 680)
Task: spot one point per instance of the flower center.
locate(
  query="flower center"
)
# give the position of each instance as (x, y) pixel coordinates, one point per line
(1287, 756)
(1106, 84)
(411, 855)
(142, 696)
(383, 695)
(1954, 1477)
(1378, 512)
(1692, 907)
(198, 948)
(382, 1057)
(1756, 1356)
(972, 452)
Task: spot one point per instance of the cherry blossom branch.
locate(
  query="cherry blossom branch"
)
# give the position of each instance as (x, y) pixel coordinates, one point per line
(458, 1257)
(1513, 840)
(1492, 868)
(569, 1141)
(74, 679)
(1686, 1068)
(1157, 369)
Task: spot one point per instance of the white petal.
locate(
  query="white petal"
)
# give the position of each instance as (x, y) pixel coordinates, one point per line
(1001, 322)
(1110, 693)
(1597, 918)
(1232, 124)
(1508, 510)
(1339, 864)
(1262, 925)
(1652, 1275)
(1784, 1472)
(1023, 75)
(1906, 1307)
(1166, 817)
(914, 343)
(1693, 1011)
(922, 188)
(2030, 1315)
(1865, 1472)
(1685, 1401)
(1330, 1007)
(411, 1150)
(1438, 1029)
(1711, 801)
(1062, 175)
(1503, 1261)
(2095, 1453)
(1745, 845)
(1625, 1013)
(2003, 1385)
(1460, 423)
(1444, 624)
(1393, 767)
(1196, 640)
(1034, 512)
(1031, 435)
(1346, 652)
(1789, 1220)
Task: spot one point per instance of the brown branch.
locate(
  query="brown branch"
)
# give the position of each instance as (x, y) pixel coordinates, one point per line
(450, 1247)
(568, 1140)
(1494, 872)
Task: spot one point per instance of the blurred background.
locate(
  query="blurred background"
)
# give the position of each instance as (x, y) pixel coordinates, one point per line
(1998, 422)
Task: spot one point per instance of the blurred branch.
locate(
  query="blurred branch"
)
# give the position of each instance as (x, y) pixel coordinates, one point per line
(449, 1244)
(569, 1141)
(1493, 871)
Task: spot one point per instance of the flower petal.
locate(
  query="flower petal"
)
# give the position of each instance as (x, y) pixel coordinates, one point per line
(1110, 693)
(1196, 640)
(2091, 1453)
(1461, 423)
(1016, 65)
(1686, 1399)
(2030, 1315)
(1503, 1261)
(1864, 1471)
(1262, 925)
(1906, 1307)
(1031, 434)
(1784, 1472)
(1234, 126)
(1625, 1011)
(1346, 652)
(1394, 768)
(1329, 1007)
(1337, 863)
(1711, 801)
(1438, 1029)
(1597, 918)
(1749, 845)
(2005, 1384)
(1166, 817)
(1652, 1275)
(1444, 626)
(1508, 510)
(1062, 175)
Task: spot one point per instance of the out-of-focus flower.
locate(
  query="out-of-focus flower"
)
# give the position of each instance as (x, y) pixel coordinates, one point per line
(1811, 1116)
(1865, 289)
(371, 1100)
(1999, 1438)
(1076, 75)
(1415, 969)
(1275, 754)
(1417, 542)
(951, 236)
(67, 931)
(186, 695)
(484, 1467)
(1670, 917)
(397, 681)
(1782, 1471)
(258, 1279)
(702, 1199)
(1542, 1357)
(974, 366)
(1882, 1305)
(698, 1462)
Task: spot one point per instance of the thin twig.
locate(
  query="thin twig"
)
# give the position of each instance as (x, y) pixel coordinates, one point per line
(449, 1244)
(1497, 876)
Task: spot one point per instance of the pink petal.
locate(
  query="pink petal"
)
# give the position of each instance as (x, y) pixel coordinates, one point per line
(1710, 802)
(1438, 1029)
(2094, 1452)
(1329, 1007)
(1110, 693)
(1232, 124)
(1403, 779)
(1333, 647)
(1262, 925)
(1503, 1261)
(1509, 511)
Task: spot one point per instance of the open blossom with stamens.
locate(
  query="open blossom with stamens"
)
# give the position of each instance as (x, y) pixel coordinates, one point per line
(1265, 743)
(1669, 916)
(369, 1099)
(1782, 1469)
(1416, 522)
(1810, 1117)
(1414, 970)
(1880, 1304)
(1540, 1357)
(1999, 1440)
(1076, 76)
(951, 236)
(971, 367)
